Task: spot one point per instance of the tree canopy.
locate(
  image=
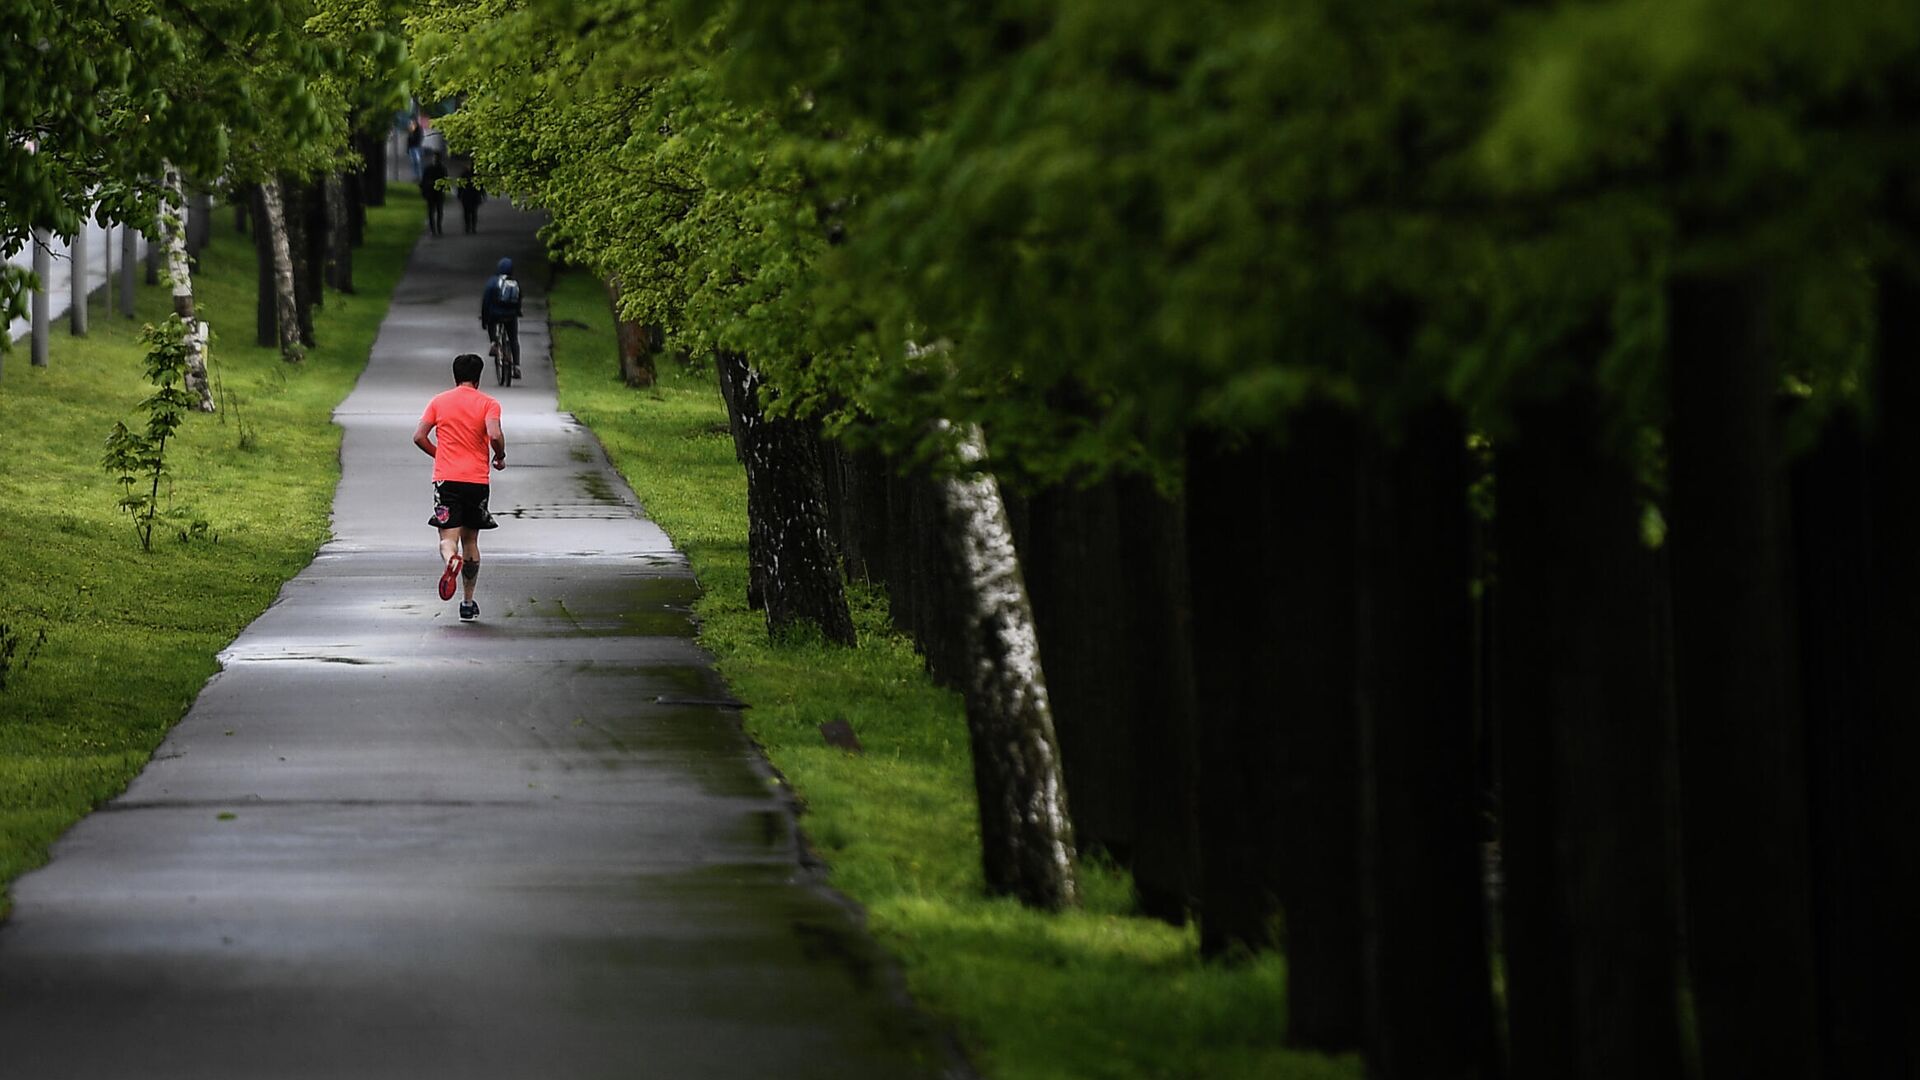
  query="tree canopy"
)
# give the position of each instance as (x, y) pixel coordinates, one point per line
(101, 95)
(1125, 219)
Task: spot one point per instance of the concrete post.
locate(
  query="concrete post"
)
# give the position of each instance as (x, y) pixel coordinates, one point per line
(42, 305)
(77, 278)
(106, 261)
(129, 254)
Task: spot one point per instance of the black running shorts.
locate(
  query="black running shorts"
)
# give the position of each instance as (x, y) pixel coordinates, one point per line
(460, 505)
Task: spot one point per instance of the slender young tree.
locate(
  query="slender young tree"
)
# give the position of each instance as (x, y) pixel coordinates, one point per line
(193, 333)
(286, 305)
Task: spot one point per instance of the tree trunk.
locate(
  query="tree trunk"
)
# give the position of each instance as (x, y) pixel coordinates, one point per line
(373, 168)
(939, 614)
(1886, 1041)
(313, 201)
(1835, 571)
(921, 597)
(1227, 559)
(1163, 714)
(266, 297)
(174, 235)
(339, 235)
(356, 210)
(635, 345)
(1742, 765)
(1590, 910)
(298, 207)
(1430, 1009)
(1078, 588)
(836, 474)
(1026, 836)
(286, 307)
(757, 558)
(78, 274)
(42, 302)
(897, 570)
(785, 504)
(106, 250)
(129, 254)
(199, 224)
(866, 516)
(1308, 593)
(1858, 593)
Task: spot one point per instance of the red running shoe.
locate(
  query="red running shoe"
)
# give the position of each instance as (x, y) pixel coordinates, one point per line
(450, 580)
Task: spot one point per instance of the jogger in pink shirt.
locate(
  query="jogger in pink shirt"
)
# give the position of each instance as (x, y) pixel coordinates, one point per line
(458, 429)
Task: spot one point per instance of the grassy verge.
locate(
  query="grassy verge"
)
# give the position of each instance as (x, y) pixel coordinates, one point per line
(1094, 993)
(130, 635)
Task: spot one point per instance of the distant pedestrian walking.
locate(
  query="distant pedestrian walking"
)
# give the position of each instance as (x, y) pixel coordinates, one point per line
(430, 179)
(470, 199)
(414, 138)
(458, 429)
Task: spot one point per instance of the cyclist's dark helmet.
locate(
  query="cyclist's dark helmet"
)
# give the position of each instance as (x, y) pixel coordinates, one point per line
(505, 267)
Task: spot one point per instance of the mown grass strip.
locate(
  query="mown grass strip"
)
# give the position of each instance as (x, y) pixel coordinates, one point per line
(1094, 993)
(132, 636)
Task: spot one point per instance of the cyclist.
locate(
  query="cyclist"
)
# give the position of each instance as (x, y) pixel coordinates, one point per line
(500, 305)
(458, 428)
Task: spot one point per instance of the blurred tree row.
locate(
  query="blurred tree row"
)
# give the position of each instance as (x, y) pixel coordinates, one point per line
(106, 98)
(1461, 454)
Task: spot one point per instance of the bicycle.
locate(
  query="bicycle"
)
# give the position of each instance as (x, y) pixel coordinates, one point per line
(502, 353)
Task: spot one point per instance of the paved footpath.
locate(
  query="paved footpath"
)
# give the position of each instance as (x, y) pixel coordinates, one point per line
(384, 843)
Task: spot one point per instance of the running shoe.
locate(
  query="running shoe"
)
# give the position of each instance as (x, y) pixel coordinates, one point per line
(469, 610)
(450, 580)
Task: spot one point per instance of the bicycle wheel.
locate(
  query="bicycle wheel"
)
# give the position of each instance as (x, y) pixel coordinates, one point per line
(502, 367)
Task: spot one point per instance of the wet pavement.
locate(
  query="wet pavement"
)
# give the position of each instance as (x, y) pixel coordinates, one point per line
(386, 843)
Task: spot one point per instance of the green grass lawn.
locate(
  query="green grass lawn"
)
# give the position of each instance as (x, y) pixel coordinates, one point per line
(131, 635)
(1098, 992)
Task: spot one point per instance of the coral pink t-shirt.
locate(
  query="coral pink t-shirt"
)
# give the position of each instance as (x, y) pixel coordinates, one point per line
(461, 449)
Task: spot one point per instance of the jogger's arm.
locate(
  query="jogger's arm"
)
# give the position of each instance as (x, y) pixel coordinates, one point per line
(420, 438)
(499, 440)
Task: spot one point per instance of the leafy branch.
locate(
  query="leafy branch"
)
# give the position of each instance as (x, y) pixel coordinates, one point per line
(136, 459)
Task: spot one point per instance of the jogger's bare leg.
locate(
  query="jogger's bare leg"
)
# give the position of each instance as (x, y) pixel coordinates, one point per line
(469, 573)
(449, 543)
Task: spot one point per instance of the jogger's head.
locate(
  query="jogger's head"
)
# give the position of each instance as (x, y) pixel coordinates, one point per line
(467, 368)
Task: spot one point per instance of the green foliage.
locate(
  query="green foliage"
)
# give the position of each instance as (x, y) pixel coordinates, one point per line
(101, 96)
(1095, 992)
(134, 457)
(1123, 219)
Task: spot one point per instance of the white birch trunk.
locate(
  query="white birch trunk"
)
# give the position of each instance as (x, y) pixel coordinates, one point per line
(1026, 833)
(173, 230)
(286, 308)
